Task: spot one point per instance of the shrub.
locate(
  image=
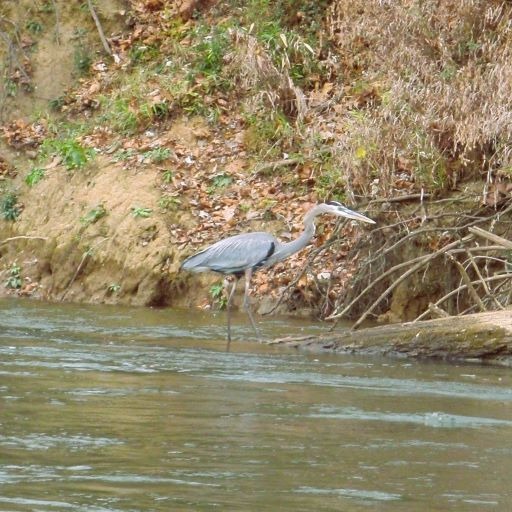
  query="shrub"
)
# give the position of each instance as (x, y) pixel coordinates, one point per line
(9, 208)
(73, 154)
(35, 175)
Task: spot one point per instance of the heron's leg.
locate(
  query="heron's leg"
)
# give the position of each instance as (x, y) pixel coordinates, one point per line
(228, 307)
(247, 304)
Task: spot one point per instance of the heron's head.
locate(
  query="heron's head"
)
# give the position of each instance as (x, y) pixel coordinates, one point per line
(335, 208)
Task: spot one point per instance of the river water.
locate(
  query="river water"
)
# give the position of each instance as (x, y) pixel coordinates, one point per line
(121, 409)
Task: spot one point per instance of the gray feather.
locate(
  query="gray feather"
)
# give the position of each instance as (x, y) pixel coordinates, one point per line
(234, 254)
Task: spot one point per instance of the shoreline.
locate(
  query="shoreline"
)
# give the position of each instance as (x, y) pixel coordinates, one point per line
(475, 338)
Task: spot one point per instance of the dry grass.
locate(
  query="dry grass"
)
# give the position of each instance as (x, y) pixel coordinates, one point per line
(408, 95)
(432, 84)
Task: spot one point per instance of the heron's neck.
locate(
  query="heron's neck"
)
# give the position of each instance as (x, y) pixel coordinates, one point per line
(285, 250)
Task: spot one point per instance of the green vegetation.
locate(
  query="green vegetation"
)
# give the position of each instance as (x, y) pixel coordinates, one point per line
(157, 155)
(56, 104)
(119, 114)
(34, 176)
(210, 46)
(167, 176)
(47, 7)
(266, 129)
(303, 101)
(9, 208)
(14, 279)
(142, 53)
(94, 215)
(10, 87)
(377, 106)
(34, 27)
(218, 296)
(82, 54)
(73, 154)
(113, 288)
(124, 154)
(201, 68)
(219, 182)
(140, 212)
(160, 110)
(169, 202)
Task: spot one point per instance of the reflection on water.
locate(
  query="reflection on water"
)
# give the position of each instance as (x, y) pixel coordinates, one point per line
(117, 409)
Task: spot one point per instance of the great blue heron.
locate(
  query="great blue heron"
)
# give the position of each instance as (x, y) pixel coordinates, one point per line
(243, 254)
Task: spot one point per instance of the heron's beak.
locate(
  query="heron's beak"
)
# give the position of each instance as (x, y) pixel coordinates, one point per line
(343, 211)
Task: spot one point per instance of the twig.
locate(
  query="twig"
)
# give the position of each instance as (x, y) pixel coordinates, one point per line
(345, 310)
(99, 27)
(486, 248)
(272, 166)
(80, 265)
(467, 280)
(311, 257)
(23, 237)
(482, 280)
(57, 22)
(13, 60)
(399, 199)
(437, 312)
(475, 219)
(491, 236)
(392, 243)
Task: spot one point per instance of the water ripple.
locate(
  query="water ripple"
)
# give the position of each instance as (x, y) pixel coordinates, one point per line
(428, 419)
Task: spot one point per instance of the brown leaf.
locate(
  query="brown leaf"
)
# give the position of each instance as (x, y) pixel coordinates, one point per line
(235, 166)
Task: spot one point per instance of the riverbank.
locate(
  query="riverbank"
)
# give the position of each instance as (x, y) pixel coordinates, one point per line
(165, 127)
(481, 338)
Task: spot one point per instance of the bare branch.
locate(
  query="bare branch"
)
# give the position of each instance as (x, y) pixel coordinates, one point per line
(345, 310)
(491, 236)
(57, 22)
(469, 286)
(104, 41)
(80, 266)
(23, 237)
(405, 275)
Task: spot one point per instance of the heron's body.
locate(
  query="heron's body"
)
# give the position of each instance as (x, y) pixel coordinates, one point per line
(245, 253)
(234, 255)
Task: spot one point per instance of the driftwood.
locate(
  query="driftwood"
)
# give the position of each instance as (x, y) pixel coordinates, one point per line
(481, 338)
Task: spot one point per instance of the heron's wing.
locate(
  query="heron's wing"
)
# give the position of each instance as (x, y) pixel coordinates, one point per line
(234, 254)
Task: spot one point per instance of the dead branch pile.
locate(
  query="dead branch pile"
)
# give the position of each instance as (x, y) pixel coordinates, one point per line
(435, 264)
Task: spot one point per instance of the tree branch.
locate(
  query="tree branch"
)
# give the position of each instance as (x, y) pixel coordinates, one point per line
(491, 236)
(100, 29)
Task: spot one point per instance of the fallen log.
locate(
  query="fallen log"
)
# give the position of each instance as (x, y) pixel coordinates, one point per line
(481, 337)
